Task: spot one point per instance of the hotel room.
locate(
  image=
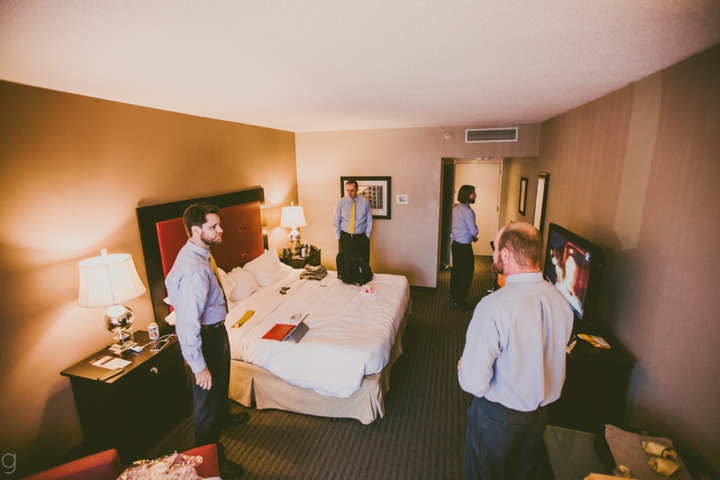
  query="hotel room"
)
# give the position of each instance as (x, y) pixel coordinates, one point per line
(634, 168)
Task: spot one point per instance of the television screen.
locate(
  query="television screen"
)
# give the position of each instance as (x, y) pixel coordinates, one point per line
(573, 265)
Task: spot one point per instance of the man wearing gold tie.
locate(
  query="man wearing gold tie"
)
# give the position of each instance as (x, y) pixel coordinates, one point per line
(353, 222)
(198, 298)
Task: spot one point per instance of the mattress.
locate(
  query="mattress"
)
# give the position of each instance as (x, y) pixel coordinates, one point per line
(350, 335)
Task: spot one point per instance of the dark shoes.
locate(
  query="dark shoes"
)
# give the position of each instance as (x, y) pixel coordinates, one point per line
(238, 419)
(230, 470)
(461, 306)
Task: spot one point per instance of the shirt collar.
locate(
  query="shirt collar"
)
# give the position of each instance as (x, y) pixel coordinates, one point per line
(535, 277)
(198, 250)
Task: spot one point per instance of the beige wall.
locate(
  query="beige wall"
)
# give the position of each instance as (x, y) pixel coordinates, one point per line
(637, 172)
(407, 244)
(72, 171)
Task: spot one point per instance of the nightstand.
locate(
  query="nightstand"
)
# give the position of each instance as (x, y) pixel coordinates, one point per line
(297, 262)
(135, 409)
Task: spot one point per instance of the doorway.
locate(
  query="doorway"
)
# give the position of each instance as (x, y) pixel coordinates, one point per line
(486, 177)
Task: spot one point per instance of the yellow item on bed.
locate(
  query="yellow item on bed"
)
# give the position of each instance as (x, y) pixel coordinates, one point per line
(244, 318)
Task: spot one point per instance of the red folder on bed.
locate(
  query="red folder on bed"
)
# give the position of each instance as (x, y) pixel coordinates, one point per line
(279, 332)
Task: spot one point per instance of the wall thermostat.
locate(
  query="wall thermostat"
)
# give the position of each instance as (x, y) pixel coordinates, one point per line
(402, 199)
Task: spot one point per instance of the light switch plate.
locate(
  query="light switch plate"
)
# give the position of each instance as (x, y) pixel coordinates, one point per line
(402, 199)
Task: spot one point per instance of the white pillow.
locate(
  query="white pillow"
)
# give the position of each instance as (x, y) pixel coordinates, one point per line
(228, 286)
(244, 284)
(267, 268)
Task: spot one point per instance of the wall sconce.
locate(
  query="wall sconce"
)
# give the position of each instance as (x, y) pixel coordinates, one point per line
(293, 218)
(108, 281)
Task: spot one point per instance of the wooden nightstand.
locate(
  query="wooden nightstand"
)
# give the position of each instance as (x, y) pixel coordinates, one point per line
(135, 409)
(297, 262)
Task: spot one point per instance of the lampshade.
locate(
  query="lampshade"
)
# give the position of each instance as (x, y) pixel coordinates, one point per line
(108, 280)
(292, 217)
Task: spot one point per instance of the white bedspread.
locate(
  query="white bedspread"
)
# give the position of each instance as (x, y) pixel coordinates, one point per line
(350, 334)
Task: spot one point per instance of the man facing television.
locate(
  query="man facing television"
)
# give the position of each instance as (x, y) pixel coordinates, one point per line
(513, 362)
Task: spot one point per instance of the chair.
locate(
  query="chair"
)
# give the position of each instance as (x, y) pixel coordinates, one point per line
(106, 466)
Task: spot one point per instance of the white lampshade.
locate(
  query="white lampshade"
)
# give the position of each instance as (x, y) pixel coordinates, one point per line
(108, 280)
(292, 217)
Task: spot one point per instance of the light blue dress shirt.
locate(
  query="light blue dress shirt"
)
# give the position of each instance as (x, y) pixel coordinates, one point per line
(515, 347)
(197, 298)
(464, 227)
(363, 216)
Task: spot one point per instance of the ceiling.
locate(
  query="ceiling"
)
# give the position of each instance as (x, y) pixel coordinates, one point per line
(321, 65)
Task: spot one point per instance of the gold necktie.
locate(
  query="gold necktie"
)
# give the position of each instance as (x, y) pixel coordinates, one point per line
(217, 275)
(351, 227)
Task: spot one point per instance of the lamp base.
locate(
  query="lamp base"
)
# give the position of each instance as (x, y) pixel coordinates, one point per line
(295, 242)
(120, 348)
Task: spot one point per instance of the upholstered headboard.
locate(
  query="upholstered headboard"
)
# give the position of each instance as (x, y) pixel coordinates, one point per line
(162, 234)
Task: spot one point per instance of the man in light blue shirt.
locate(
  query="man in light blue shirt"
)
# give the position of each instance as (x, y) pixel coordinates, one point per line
(464, 233)
(513, 362)
(353, 222)
(197, 296)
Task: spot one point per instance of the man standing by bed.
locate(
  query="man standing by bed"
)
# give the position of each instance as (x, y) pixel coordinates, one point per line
(513, 362)
(353, 222)
(196, 294)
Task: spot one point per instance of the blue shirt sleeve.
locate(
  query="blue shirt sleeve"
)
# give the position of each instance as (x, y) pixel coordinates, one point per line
(188, 299)
(482, 347)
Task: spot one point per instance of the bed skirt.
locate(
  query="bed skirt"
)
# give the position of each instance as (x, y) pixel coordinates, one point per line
(249, 382)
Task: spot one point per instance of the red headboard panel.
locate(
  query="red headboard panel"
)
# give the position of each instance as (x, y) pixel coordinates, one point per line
(242, 237)
(163, 235)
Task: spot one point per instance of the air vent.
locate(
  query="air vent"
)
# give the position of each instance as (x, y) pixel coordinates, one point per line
(489, 135)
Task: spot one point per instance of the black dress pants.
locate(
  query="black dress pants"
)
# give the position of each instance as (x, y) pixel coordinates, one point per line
(501, 443)
(211, 410)
(357, 244)
(463, 267)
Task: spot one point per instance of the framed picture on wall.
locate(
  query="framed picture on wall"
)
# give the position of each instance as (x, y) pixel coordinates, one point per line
(376, 189)
(540, 201)
(522, 200)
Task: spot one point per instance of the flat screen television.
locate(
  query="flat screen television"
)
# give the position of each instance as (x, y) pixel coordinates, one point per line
(574, 265)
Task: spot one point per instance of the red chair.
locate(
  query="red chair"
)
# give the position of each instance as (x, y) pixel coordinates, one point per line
(106, 466)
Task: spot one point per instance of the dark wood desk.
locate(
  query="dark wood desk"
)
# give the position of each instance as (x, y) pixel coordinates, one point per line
(134, 410)
(595, 390)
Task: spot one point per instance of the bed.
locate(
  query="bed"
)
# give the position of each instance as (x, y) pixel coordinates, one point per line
(340, 368)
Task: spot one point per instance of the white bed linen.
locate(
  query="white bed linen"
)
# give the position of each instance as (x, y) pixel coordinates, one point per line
(350, 334)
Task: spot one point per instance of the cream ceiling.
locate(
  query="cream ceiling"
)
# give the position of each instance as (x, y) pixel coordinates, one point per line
(318, 65)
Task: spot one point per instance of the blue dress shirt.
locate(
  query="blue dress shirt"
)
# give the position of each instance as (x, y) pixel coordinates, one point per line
(363, 216)
(197, 298)
(464, 227)
(515, 347)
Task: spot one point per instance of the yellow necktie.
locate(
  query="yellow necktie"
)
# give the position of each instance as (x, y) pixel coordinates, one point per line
(351, 227)
(217, 275)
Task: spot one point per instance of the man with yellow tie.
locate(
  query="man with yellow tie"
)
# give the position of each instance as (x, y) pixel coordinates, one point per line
(353, 222)
(197, 295)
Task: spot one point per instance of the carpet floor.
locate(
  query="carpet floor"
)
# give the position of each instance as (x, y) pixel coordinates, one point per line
(420, 437)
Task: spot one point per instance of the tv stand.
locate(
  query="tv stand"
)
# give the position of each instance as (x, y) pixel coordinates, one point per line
(595, 389)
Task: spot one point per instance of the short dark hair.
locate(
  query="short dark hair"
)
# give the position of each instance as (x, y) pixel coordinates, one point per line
(524, 242)
(196, 215)
(464, 193)
(354, 182)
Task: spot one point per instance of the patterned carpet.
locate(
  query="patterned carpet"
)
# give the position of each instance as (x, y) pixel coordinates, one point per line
(421, 435)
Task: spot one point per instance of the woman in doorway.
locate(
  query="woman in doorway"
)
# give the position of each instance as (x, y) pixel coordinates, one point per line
(464, 233)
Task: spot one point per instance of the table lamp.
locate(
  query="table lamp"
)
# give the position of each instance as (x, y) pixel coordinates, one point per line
(108, 281)
(293, 218)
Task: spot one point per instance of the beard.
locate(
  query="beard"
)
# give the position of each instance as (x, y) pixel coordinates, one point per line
(211, 241)
(471, 200)
(499, 266)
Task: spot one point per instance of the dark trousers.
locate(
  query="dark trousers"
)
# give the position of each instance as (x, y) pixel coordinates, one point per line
(357, 244)
(211, 410)
(463, 267)
(501, 443)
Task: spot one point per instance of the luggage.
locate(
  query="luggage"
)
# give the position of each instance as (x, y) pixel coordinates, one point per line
(352, 269)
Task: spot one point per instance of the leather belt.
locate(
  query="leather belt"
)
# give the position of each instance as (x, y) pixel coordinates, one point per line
(214, 325)
(353, 235)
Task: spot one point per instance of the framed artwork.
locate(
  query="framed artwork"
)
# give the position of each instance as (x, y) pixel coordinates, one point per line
(522, 200)
(376, 190)
(540, 201)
